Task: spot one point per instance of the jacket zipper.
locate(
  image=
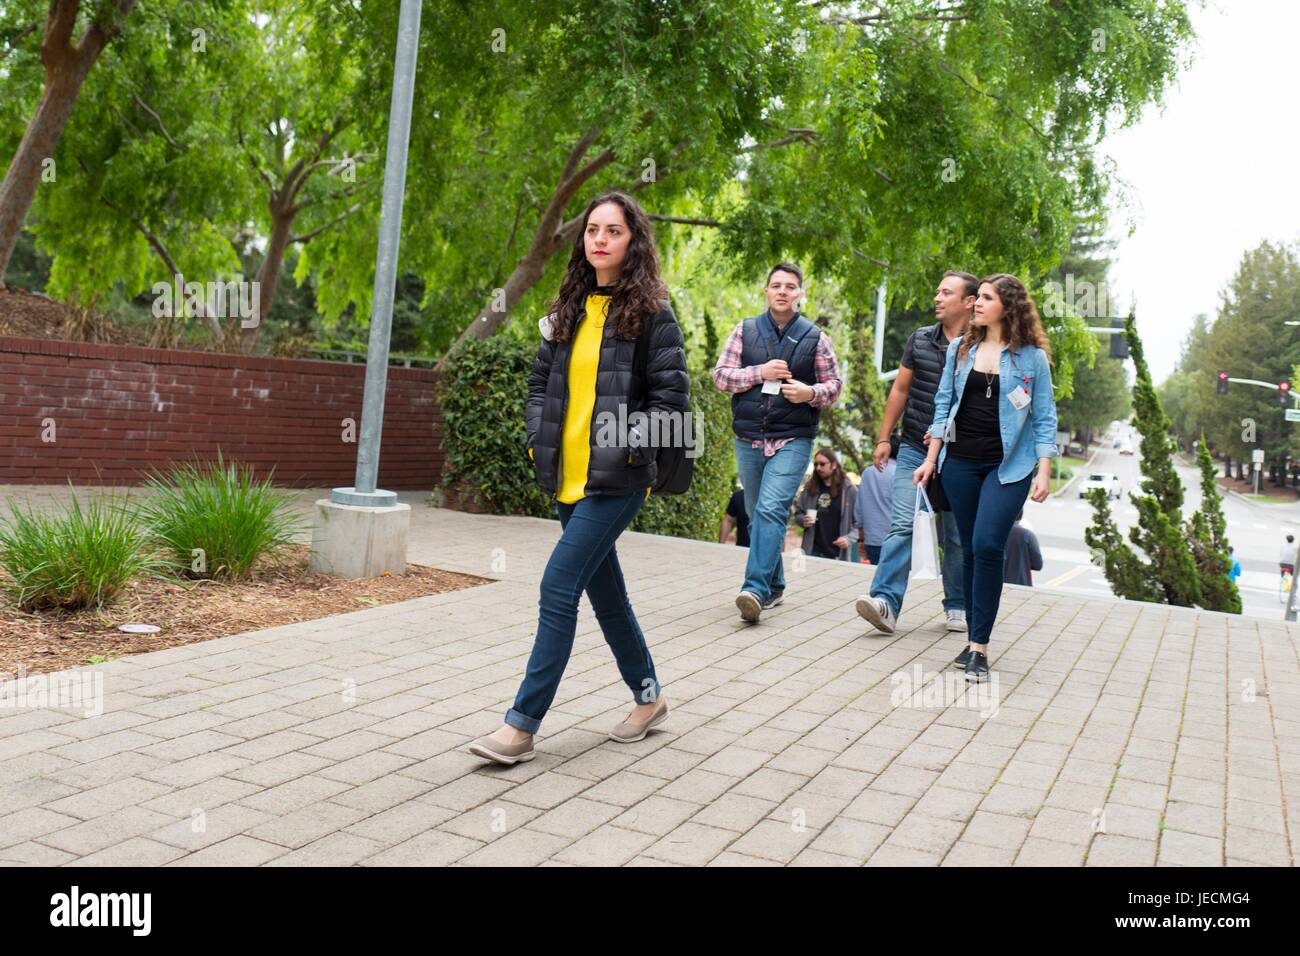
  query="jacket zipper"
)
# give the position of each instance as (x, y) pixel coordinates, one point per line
(564, 408)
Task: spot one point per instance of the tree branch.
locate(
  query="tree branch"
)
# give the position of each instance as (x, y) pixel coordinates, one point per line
(157, 119)
(309, 236)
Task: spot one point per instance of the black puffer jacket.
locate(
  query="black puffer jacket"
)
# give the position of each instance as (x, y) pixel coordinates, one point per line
(616, 469)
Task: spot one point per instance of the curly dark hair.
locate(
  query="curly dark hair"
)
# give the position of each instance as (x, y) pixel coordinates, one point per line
(1020, 322)
(639, 292)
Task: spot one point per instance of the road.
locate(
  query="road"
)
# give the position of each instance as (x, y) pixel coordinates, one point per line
(1255, 531)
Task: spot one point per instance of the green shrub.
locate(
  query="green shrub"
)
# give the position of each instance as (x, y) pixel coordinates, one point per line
(75, 559)
(216, 519)
(698, 513)
(483, 398)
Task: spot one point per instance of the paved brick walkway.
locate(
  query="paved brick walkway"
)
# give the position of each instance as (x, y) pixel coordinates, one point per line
(1124, 733)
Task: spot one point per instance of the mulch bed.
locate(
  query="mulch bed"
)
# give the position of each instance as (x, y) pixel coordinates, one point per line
(278, 592)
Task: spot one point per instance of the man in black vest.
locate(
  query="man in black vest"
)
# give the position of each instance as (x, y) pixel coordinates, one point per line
(781, 372)
(913, 397)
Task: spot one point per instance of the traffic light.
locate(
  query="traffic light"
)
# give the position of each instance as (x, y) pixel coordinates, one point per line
(1222, 387)
(1118, 343)
(1283, 393)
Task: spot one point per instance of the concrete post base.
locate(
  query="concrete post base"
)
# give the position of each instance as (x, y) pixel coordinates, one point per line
(357, 542)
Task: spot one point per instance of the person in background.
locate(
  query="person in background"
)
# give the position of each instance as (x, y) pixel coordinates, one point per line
(875, 504)
(1234, 566)
(825, 509)
(1287, 558)
(1023, 555)
(735, 515)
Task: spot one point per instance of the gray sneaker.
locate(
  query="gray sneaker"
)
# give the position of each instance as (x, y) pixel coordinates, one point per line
(750, 606)
(878, 613)
(956, 620)
(778, 597)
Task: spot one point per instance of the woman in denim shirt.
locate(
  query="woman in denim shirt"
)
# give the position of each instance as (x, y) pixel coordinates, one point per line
(992, 440)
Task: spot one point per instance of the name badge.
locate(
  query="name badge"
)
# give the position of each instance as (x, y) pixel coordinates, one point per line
(772, 386)
(1019, 397)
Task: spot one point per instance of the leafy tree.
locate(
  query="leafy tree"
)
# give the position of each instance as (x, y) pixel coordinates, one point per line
(1101, 395)
(66, 63)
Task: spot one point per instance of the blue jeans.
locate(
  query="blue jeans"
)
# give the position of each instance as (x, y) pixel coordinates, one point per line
(872, 552)
(770, 485)
(584, 560)
(895, 564)
(985, 510)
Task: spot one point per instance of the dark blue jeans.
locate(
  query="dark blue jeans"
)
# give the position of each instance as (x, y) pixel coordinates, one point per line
(584, 560)
(985, 509)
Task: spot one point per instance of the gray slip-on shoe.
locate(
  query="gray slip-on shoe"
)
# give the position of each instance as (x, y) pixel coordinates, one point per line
(628, 732)
(489, 749)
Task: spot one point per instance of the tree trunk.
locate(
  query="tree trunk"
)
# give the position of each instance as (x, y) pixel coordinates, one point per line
(268, 275)
(66, 67)
(552, 234)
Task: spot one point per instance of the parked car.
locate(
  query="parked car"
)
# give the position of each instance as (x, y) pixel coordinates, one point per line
(1126, 449)
(1105, 481)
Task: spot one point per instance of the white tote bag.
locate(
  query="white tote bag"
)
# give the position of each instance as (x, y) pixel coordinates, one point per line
(925, 542)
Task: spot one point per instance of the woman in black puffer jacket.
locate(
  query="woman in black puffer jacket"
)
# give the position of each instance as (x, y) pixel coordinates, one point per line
(610, 373)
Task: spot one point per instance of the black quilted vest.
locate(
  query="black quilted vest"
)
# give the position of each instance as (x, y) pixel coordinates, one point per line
(929, 351)
(755, 415)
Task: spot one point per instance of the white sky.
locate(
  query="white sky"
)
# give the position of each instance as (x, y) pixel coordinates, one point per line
(1212, 175)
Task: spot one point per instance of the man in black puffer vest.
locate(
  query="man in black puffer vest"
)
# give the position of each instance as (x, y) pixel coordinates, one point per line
(912, 396)
(781, 371)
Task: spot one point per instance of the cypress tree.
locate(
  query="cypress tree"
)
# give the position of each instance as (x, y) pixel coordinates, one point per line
(1207, 534)
(1165, 571)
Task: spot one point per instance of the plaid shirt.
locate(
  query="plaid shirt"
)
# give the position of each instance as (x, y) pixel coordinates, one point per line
(731, 376)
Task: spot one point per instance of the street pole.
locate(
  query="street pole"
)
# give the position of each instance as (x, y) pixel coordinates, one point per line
(364, 492)
(362, 531)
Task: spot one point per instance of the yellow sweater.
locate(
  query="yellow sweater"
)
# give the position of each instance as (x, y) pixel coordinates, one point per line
(584, 360)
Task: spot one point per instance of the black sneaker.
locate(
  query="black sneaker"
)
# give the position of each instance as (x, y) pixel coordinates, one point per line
(977, 668)
(963, 658)
(777, 597)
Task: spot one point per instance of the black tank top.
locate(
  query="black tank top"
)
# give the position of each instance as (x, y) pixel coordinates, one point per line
(979, 437)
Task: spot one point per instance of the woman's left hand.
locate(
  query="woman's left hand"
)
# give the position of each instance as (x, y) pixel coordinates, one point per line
(1040, 488)
(841, 542)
